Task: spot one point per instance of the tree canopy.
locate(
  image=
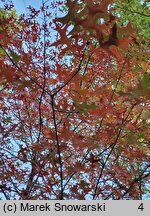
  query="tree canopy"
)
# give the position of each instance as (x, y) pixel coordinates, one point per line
(75, 100)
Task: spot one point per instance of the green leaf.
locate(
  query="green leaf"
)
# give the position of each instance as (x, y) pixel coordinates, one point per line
(131, 138)
(15, 56)
(146, 81)
(8, 120)
(90, 106)
(84, 107)
(83, 184)
(2, 53)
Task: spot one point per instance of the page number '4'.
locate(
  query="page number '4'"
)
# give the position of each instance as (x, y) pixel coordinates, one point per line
(141, 207)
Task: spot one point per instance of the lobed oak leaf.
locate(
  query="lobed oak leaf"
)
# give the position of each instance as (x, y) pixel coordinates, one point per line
(124, 42)
(115, 51)
(64, 39)
(37, 147)
(11, 129)
(104, 4)
(71, 5)
(126, 30)
(7, 72)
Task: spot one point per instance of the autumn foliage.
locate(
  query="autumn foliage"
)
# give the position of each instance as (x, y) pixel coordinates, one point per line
(74, 103)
